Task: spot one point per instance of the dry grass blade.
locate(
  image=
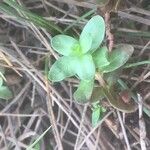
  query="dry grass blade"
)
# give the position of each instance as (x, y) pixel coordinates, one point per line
(16, 144)
(79, 136)
(3, 57)
(142, 125)
(81, 4)
(22, 13)
(134, 18)
(92, 131)
(124, 131)
(51, 113)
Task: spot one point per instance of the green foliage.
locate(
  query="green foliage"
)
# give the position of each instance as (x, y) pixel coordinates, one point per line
(97, 113)
(61, 69)
(77, 59)
(109, 62)
(5, 93)
(59, 44)
(118, 57)
(84, 91)
(68, 66)
(83, 57)
(100, 57)
(84, 67)
(86, 43)
(95, 31)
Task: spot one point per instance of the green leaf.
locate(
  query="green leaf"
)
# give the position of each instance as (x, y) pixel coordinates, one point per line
(84, 91)
(86, 43)
(84, 67)
(118, 57)
(100, 57)
(65, 45)
(61, 69)
(96, 112)
(5, 93)
(68, 66)
(95, 28)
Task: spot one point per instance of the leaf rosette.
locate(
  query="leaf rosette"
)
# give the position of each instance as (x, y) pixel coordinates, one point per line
(77, 57)
(83, 57)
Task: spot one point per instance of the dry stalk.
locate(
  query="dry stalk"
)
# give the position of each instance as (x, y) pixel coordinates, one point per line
(52, 118)
(124, 131)
(141, 124)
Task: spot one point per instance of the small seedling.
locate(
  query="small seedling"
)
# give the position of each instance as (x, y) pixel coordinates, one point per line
(5, 92)
(85, 58)
(77, 57)
(97, 113)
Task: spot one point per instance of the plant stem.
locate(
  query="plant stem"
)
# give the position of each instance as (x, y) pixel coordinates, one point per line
(100, 79)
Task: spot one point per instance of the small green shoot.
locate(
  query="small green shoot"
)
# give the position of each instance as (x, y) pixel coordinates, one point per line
(97, 113)
(5, 92)
(77, 57)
